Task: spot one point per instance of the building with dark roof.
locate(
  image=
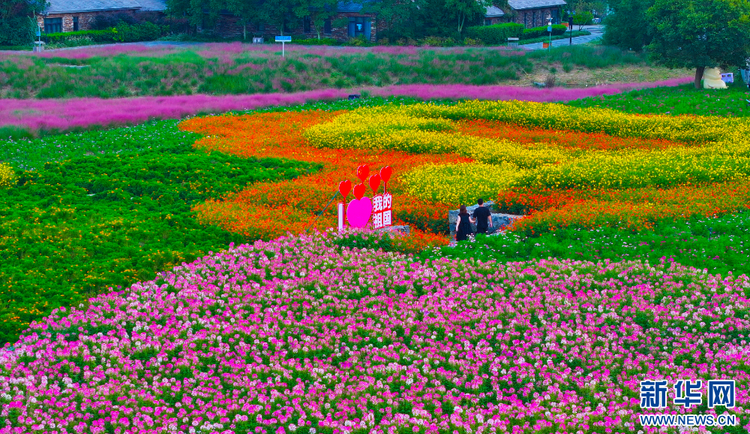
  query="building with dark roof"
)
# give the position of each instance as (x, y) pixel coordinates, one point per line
(74, 15)
(530, 13)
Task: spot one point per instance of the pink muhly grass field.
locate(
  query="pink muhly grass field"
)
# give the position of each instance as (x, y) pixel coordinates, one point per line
(64, 114)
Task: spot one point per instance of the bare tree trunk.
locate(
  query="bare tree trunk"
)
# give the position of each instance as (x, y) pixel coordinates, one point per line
(698, 76)
(244, 31)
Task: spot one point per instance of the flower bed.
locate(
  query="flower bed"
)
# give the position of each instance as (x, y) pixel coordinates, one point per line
(294, 336)
(686, 156)
(75, 113)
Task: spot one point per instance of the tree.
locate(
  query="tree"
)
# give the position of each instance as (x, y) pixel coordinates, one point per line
(397, 16)
(198, 12)
(318, 11)
(699, 33)
(466, 9)
(17, 24)
(278, 12)
(627, 27)
(245, 10)
(581, 19)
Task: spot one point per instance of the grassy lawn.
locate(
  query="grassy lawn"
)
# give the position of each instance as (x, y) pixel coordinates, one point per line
(222, 69)
(680, 100)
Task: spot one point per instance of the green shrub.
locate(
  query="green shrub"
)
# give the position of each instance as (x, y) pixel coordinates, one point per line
(138, 32)
(495, 34)
(535, 32)
(315, 41)
(64, 37)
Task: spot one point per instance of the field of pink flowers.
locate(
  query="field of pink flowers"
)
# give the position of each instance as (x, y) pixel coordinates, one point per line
(299, 335)
(55, 114)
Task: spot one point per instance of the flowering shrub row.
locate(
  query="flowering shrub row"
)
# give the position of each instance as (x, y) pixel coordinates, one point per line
(7, 176)
(75, 229)
(301, 335)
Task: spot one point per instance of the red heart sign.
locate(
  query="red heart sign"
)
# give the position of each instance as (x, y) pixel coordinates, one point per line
(359, 191)
(345, 187)
(385, 173)
(375, 183)
(362, 172)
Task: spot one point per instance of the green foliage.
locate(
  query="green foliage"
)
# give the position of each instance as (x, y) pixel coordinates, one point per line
(535, 32)
(678, 100)
(17, 23)
(74, 229)
(496, 34)
(628, 27)
(719, 245)
(315, 41)
(138, 32)
(700, 33)
(99, 36)
(583, 19)
(190, 71)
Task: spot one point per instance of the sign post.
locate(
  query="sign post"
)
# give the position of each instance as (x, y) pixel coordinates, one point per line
(283, 40)
(549, 29)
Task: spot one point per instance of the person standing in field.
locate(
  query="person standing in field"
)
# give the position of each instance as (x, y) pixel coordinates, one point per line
(463, 225)
(482, 217)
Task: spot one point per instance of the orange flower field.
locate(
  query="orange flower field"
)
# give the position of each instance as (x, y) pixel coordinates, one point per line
(271, 209)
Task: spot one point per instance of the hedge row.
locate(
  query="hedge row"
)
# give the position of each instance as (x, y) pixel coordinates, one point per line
(535, 32)
(499, 33)
(122, 33)
(496, 33)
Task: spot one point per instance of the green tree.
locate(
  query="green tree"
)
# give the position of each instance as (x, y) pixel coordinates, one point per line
(17, 26)
(581, 19)
(463, 10)
(245, 10)
(198, 12)
(627, 27)
(396, 16)
(319, 11)
(279, 13)
(699, 34)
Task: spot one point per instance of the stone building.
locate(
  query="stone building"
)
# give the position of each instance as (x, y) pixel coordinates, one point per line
(530, 13)
(74, 15)
(534, 13)
(358, 24)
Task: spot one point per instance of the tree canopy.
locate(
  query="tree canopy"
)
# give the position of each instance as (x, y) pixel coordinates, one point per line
(17, 22)
(699, 33)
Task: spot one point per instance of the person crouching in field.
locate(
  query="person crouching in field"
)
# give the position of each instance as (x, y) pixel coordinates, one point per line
(482, 217)
(463, 225)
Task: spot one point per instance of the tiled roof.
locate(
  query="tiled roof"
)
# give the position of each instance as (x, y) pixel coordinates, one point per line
(153, 5)
(348, 7)
(493, 11)
(73, 6)
(533, 4)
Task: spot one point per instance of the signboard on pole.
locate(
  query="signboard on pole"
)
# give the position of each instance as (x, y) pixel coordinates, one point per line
(283, 40)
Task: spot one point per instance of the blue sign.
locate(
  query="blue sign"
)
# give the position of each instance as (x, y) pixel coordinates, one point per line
(283, 39)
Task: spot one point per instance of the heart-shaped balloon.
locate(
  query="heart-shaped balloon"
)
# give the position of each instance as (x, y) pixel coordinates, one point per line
(375, 183)
(345, 187)
(359, 211)
(385, 174)
(362, 172)
(359, 191)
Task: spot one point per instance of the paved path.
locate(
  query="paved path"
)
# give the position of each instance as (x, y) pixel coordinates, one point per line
(596, 32)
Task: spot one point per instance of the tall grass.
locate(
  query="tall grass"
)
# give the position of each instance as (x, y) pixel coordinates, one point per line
(227, 69)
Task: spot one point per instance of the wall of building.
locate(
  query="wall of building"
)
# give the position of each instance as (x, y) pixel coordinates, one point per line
(86, 18)
(229, 26)
(537, 17)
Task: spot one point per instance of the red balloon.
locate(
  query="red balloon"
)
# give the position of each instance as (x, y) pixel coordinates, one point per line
(375, 183)
(362, 172)
(385, 173)
(359, 191)
(345, 187)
